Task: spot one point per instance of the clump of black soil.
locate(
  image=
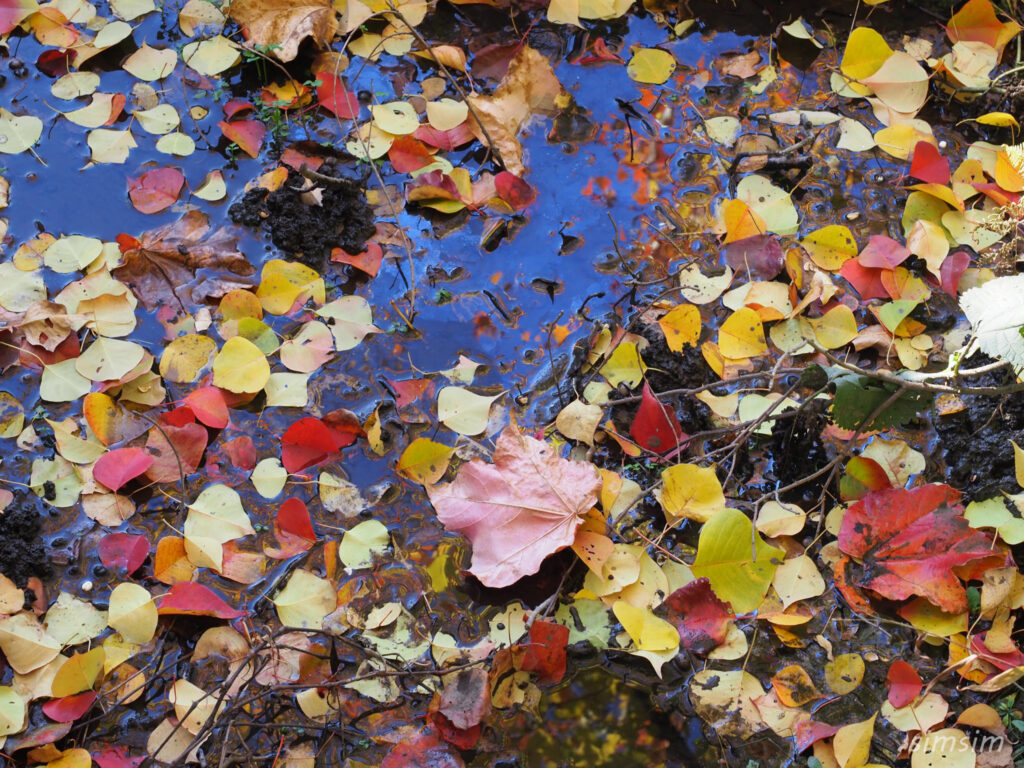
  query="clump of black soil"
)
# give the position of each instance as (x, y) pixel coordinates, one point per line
(308, 232)
(975, 442)
(22, 552)
(668, 370)
(797, 451)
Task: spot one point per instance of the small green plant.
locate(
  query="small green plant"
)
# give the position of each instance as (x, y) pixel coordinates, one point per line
(443, 296)
(258, 55)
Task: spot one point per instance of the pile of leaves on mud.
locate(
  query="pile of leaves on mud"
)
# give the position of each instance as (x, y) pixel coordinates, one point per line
(739, 501)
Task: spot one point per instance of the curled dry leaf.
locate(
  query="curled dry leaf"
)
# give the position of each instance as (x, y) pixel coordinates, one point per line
(280, 26)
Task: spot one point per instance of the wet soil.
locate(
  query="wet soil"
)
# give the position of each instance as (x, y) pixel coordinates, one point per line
(302, 229)
(22, 551)
(974, 443)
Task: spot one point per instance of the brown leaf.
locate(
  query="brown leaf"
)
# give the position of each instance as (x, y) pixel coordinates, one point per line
(282, 25)
(466, 699)
(161, 266)
(740, 65)
(529, 87)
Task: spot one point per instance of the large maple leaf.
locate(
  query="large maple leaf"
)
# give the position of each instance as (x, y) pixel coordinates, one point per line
(161, 266)
(518, 510)
(914, 542)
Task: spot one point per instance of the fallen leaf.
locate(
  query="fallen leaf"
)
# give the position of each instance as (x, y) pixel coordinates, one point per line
(278, 27)
(518, 510)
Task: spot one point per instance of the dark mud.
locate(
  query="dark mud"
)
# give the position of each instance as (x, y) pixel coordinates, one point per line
(22, 551)
(306, 231)
(974, 443)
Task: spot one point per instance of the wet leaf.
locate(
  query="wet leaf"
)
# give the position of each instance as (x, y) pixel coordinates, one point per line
(651, 65)
(690, 492)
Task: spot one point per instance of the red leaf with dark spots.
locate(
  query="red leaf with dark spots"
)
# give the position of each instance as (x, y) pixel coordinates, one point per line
(809, 731)
(69, 708)
(189, 598)
(908, 542)
(187, 445)
(759, 257)
(156, 190)
(655, 426)
(333, 96)
(466, 699)
(123, 551)
(117, 467)
(545, 653)
(904, 684)
(208, 404)
(247, 134)
(928, 165)
(701, 618)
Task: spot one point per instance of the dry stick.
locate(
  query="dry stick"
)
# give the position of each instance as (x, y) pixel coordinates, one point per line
(919, 385)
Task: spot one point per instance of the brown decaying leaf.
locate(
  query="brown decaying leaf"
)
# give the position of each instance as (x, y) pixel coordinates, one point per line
(161, 267)
(529, 87)
(518, 510)
(282, 25)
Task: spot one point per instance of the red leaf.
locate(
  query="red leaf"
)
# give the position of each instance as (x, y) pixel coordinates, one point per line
(809, 731)
(883, 252)
(368, 261)
(12, 12)
(407, 154)
(952, 269)
(866, 281)
(293, 529)
(116, 757)
(242, 452)
(334, 97)
(179, 417)
(599, 53)
(236, 107)
(759, 256)
(545, 653)
(117, 467)
(460, 738)
(156, 190)
(904, 682)
(247, 134)
(69, 708)
(188, 598)
(701, 618)
(655, 426)
(928, 165)
(1001, 661)
(125, 551)
(424, 750)
(514, 190)
(344, 425)
(448, 140)
(207, 403)
(909, 541)
(187, 445)
(58, 63)
(306, 442)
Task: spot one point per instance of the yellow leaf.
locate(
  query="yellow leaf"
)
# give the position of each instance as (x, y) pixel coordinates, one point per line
(579, 420)
(624, 365)
(78, 673)
(852, 743)
(305, 600)
(844, 673)
(240, 367)
(948, 747)
(651, 65)
(738, 563)
(724, 699)
(830, 246)
(690, 492)
(866, 51)
(25, 643)
(185, 357)
(999, 119)
(741, 221)
(283, 283)
(1018, 463)
(742, 335)
(463, 411)
(681, 326)
(836, 328)
(133, 612)
(646, 630)
(13, 709)
(361, 543)
(777, 519)
(424, 461)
